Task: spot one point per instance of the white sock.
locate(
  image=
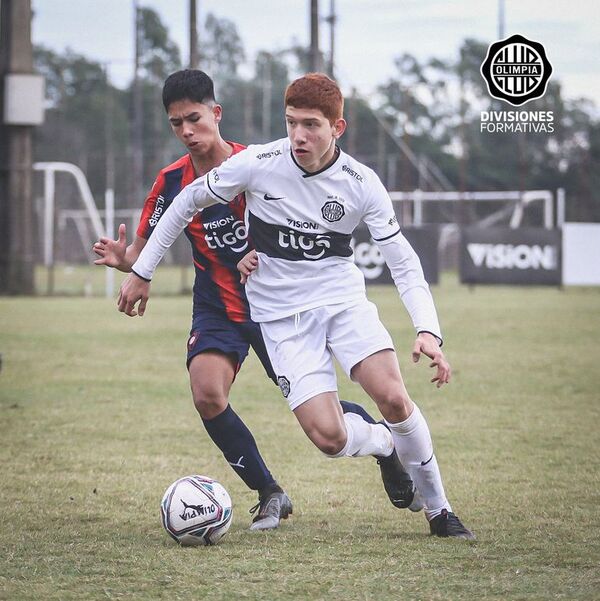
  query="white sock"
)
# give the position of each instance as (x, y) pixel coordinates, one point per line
(365, 438)
(415, 450)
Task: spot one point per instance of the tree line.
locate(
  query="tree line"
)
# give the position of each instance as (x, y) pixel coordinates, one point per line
(423, 120)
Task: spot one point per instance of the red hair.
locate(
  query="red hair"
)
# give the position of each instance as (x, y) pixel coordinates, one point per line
(316, 91)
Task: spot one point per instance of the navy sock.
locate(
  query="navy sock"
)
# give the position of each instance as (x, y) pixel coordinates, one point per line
(348, 407)
(238, 446)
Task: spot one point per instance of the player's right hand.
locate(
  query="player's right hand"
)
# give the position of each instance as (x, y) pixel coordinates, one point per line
(247, 265)
(133, 290)
(112, 252)
(427, 344)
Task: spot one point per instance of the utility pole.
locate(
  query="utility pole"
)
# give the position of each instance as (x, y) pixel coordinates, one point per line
(194, 58)
(331, 19)
(267, 93)
(21, 108)
(353, 121)
(315, 55)
(138, 114)
(108, 132)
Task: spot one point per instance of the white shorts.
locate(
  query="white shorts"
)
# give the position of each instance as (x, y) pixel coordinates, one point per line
(302, 346)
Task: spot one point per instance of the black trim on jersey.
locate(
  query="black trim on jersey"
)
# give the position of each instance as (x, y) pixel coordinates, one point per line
(306, 173)
(282, 242)
(387, 237)
(439, 340)
(210, 188)
(140, 276)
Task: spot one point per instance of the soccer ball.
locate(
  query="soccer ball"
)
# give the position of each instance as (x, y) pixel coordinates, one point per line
(196, 510)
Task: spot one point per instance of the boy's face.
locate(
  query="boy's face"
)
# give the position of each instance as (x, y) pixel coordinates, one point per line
(195, 124)
(312, 137)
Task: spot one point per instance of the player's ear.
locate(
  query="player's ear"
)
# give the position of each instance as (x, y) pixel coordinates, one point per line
(339, 127)
(217, 112)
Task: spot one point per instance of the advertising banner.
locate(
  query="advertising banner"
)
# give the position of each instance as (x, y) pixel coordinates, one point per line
(525, 256)
(370, 261)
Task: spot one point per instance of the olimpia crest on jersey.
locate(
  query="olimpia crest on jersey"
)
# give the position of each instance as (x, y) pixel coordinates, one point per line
(332, 210)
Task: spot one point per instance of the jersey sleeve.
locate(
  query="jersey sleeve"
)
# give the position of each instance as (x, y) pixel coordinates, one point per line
(221, 185)
(152, 208)
(379, 216)
(230, 178)
(402, 260)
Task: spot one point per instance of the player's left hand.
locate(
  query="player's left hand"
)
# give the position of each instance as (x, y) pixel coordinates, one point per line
(427, 344)
(247, 265)
(133, 290)
(112, 253)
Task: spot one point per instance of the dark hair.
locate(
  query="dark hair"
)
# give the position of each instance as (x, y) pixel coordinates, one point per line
(188, 84)
(316, 91)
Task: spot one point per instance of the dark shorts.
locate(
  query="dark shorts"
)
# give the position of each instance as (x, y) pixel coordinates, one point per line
(213, 331)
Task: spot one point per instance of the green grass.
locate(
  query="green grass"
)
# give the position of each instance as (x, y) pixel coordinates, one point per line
(96, 420)
(89, 280)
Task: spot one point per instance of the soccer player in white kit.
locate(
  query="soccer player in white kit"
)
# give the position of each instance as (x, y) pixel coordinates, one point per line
(305, 197)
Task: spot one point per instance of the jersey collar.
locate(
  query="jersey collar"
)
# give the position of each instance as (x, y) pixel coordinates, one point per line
(307, 174)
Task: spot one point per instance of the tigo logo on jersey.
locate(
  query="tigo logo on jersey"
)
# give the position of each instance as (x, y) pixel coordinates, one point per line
(516, 70)
(297, 245)
(312, 247)
(227, 233)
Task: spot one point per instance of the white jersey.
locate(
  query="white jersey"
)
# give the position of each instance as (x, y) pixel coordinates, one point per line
(301, 226)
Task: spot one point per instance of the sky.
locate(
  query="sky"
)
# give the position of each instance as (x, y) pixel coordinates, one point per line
(369, 35)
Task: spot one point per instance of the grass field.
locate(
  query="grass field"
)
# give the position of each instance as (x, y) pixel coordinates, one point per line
(96, 420)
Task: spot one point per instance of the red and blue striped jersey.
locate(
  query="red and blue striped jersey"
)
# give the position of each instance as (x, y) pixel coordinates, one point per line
(218, 236)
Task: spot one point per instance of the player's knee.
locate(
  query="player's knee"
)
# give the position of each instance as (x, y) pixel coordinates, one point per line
(209, 403)
(330, 444)
(394, 403)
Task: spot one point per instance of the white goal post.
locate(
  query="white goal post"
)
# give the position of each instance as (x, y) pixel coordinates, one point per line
(50, 169)
(515, 203)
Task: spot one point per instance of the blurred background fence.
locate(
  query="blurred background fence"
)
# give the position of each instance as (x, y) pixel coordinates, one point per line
(420, 131)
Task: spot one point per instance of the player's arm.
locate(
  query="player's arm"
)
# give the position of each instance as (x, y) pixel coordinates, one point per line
(217, 186)
(116, 253)
(136, 287)
(414, 291)
(407, 273)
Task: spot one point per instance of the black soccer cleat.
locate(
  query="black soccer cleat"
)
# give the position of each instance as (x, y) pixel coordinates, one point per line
(396, 481)
(273, 505)
(447, 525)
